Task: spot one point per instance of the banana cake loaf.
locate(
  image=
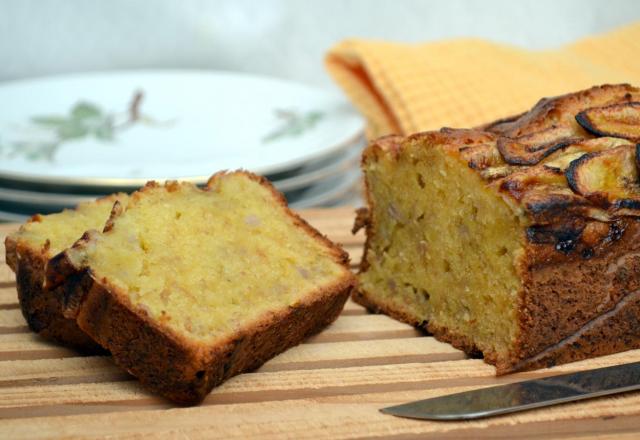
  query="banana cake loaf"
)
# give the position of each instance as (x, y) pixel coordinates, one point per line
(28, 251)
(518, 240)
(187, 287)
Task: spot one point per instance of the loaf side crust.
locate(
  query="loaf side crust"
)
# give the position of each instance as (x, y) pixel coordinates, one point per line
(562, 296)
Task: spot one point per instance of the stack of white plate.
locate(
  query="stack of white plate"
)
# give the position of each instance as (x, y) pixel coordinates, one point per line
(64, 140)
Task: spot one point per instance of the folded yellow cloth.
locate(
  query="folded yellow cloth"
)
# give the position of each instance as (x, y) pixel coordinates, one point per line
(405, 88)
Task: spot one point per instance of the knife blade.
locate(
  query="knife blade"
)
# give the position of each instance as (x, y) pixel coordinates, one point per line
(520, 396)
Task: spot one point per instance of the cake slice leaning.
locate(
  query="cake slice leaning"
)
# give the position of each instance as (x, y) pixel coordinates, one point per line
(28, 252)
(521, 241)
(188, 287)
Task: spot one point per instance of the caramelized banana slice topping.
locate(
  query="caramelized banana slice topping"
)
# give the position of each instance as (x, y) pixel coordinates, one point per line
(618, 120)
(521, 182)
(544, 193)
(532, 148)
(561, 159)
(608, 178)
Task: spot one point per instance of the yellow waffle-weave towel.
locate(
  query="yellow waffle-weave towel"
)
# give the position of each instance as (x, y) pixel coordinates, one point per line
(405, 88)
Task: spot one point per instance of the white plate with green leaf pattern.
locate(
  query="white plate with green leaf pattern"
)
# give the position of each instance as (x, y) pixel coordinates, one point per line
(313, 182)
(120, 129)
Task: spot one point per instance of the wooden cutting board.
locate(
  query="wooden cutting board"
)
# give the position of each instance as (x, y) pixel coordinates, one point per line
(329, 387)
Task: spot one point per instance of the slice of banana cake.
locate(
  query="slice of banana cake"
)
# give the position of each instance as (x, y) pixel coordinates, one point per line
(188, 287)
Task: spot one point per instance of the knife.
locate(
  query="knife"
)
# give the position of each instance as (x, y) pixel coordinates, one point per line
(520, 396)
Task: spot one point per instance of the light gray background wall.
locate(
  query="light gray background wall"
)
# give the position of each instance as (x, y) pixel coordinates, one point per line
(285, 38)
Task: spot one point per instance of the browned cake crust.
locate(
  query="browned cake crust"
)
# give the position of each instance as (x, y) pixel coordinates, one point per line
(580, 271)
(171, 365)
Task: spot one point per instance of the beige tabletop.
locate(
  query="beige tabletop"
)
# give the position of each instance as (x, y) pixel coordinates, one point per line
(331, 386)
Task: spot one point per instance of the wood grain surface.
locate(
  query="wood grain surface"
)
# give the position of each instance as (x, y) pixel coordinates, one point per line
(329, 387)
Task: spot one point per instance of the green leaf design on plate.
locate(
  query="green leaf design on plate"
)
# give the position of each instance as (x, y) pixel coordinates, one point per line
(295, 124)
(84, 119)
